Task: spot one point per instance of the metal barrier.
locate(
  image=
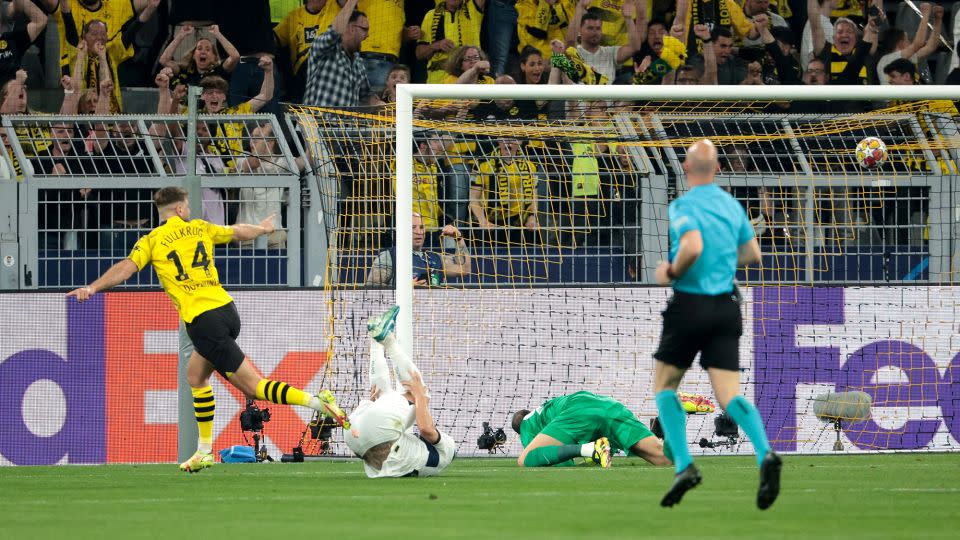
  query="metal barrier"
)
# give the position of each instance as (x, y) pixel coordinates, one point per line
(819, 216)
(75, 194)
(85, 188)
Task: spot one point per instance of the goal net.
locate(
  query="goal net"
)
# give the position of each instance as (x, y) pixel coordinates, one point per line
(559, 195)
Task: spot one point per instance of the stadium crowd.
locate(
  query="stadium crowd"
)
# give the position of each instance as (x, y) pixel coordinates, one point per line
(257, 55)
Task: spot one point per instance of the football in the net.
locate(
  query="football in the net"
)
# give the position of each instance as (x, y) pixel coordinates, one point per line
(871, 152)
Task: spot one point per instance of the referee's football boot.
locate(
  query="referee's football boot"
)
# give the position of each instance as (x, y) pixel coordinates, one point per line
(769, 480)
(601, 453)
(683, 482)
(380, 327)
(197, 462)
(331, 410)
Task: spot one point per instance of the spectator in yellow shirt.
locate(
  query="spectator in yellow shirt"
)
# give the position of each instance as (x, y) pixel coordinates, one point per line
(381, 50)
(452, 24)
(726, 13)
(540, 22)
(296, 34)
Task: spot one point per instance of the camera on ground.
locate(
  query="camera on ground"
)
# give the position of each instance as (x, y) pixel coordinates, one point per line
(491, 439)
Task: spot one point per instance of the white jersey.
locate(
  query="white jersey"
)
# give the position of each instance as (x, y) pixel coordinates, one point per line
(380, 421)
(390, 418)
(604, 60)
(413, 456)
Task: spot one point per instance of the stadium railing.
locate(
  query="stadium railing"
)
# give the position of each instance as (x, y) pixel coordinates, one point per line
(80, 194)
(828, 223)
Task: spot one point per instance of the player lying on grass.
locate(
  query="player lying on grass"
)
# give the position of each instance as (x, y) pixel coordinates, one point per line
(583, 424)
(381, 428)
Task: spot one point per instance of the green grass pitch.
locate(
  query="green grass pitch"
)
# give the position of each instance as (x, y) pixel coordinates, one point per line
(908, 496)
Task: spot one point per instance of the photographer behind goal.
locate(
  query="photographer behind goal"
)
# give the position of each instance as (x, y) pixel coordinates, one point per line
(586, 425)
(381, 428)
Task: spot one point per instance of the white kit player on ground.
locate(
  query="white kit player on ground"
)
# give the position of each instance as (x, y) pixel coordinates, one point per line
(381, 428)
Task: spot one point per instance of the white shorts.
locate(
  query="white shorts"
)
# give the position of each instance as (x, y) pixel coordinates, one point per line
(377, 422)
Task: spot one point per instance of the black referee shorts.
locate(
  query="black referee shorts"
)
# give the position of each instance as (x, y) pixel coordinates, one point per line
(710, 325)
(214, 334)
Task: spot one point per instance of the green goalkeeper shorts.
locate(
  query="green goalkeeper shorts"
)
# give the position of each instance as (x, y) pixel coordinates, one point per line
(587, 417)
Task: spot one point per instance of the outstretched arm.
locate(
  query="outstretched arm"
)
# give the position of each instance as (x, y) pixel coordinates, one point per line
(233, 55)
(636, 29)
(166, 57)
(702, 31)
(573, 29)
(244, 231)
(114, 276)
(933, 39)
(266, 89)
(421, 403)
(71, 83)
(817, 34)
(36, 17)
(342, 19)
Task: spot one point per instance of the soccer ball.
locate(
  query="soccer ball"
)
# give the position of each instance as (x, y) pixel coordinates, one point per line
(871, 152)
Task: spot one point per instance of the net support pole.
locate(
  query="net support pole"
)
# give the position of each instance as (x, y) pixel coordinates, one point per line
(403, 265)
(187, 430)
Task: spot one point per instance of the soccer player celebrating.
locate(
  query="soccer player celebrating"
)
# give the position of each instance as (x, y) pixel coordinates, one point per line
(583, 425)
(710, 236)
(181, 251)
(381, 428)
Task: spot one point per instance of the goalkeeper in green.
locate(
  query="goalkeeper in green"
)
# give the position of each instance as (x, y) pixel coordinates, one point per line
(586, 425)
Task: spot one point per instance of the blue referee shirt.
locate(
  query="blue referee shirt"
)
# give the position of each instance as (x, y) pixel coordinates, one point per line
(723, 223)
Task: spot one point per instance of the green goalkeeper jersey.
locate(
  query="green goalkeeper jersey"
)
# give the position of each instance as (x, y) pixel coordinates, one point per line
(583, 417)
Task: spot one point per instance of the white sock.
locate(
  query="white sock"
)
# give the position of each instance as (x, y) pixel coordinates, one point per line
(587, 450)
(405, 365)
(379, 370)
(205, 448)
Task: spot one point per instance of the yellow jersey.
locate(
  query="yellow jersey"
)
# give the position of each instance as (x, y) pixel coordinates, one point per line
(611, 16)
(113, 13)
(539, 23)
(508, 188)
(300, 28)
(387, 19)
(425, 200)
(182, 256)
(117, 52)
(848, 8)
(425, 192)
(228, 137)
(462, 27)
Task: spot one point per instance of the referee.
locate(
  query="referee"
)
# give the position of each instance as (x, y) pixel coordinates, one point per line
(710, 236)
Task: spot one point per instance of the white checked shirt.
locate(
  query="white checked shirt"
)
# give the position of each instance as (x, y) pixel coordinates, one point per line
(333, 78)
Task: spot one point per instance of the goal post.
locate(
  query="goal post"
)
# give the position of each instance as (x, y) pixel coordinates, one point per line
(855, 292)
(407, 93)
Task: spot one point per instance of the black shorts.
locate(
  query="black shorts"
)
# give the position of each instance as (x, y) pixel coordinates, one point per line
(214, 336)
(710, 325)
